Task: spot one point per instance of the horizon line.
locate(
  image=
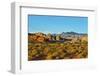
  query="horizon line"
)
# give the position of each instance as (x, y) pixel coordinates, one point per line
(58, 32)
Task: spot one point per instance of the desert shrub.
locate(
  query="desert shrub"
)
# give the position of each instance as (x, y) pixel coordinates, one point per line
(46, 50)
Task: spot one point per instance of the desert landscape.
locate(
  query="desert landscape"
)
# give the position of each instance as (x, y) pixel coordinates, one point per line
(65, 45)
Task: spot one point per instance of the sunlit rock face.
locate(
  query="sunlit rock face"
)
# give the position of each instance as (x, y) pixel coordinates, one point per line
(68, 36)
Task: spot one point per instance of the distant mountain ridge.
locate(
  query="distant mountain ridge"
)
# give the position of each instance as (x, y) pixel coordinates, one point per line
(68, 33)
(72, 34)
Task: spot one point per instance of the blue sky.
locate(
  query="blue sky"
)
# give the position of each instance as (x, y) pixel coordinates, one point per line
(57, 24)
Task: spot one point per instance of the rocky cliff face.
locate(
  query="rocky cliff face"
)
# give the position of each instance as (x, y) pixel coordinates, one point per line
(41, 37)
(37, 37)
